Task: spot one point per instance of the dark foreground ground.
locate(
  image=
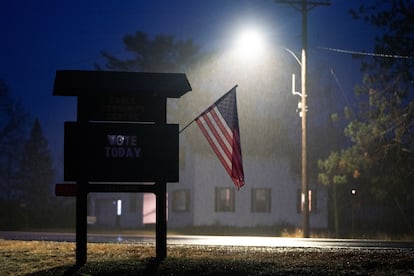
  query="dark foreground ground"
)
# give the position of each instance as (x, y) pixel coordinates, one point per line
(58, 258)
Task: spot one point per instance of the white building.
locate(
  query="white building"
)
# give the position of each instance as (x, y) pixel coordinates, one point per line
(206, 195)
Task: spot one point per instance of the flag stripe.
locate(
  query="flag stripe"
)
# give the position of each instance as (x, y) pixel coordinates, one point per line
(225, 161)
(216, 129)
(215, 144)
(237, 150)
(238, 165)
(225, 129)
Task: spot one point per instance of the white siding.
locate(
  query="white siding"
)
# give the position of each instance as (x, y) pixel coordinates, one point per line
(261, 172)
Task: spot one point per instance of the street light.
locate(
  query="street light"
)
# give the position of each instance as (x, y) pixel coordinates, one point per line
(303, 108)
(304, 6)
(249, 43)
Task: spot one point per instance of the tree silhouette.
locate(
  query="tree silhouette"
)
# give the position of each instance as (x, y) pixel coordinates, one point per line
(381, 158)
(36, 170)
(163, 53)
(12, 123)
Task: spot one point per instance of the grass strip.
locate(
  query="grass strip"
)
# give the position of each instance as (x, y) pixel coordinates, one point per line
(58, 258)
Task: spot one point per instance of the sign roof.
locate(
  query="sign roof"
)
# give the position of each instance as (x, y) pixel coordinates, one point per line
(77, 83)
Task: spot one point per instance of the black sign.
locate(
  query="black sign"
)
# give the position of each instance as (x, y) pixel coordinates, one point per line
(121, 152)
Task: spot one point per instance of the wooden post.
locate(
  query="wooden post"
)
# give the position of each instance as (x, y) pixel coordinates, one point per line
(161, 220)
(82, 195)
(81, 224)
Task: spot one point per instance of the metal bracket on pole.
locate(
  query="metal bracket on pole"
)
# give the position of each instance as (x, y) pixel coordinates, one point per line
(294, 92)
(300, 108)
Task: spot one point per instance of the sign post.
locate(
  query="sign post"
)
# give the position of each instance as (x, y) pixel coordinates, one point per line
(121, 135)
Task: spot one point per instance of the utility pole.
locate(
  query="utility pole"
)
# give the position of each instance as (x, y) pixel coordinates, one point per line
(304, 6)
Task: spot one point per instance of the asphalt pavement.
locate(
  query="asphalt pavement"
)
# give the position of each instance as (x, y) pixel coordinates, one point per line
(210, 240)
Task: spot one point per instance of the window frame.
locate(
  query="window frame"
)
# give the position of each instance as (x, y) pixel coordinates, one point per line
(227, 204)
(266, 206)
(177, 206)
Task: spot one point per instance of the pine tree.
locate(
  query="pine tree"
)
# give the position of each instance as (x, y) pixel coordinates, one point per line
(13, 120)
(37, 174)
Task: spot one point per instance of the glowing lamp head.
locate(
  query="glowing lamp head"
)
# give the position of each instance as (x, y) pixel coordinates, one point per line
(250, 43)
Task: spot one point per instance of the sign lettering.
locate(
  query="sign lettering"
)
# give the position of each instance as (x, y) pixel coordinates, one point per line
(122, 146)
(130, 108)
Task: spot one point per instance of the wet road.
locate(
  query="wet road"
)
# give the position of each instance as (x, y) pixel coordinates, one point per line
(211, 240)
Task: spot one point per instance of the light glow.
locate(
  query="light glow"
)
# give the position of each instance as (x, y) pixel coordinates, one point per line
(250, 43)
(119, 207)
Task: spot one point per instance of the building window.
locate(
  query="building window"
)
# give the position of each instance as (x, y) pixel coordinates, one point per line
(181, 200)
(301, 201)
(224, 199)
(261, 201)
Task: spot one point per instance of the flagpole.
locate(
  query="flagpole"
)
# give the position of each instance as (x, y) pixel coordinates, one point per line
(188, 124)
(203, 111)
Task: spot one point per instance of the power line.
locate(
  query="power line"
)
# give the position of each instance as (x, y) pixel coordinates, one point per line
(361, 53)
(341, 88)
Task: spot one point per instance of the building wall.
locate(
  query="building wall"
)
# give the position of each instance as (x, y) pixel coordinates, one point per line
(259, 173)
(272, 174)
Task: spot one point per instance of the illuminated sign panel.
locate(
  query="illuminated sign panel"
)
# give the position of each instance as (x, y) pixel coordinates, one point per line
(121, 152)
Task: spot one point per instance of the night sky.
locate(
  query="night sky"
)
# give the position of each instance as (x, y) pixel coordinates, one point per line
(40, 37)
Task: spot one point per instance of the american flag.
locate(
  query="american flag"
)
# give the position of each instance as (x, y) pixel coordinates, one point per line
(220, 125)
